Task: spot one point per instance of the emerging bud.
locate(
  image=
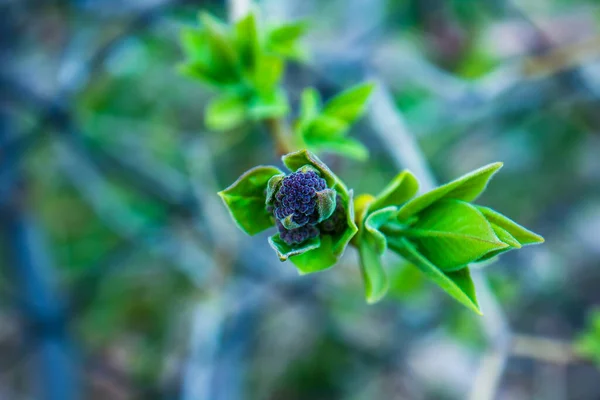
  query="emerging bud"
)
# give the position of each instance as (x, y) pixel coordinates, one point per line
(298, 235)
(296, 200)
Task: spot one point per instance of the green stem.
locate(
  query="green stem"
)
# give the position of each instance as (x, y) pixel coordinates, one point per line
(280, 133)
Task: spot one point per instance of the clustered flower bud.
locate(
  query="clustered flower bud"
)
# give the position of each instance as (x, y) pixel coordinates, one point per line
(298, 235)
(297, 196)
(299, 205)
(337, 222)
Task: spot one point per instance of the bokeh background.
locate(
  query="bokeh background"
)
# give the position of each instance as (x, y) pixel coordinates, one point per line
(123, 277)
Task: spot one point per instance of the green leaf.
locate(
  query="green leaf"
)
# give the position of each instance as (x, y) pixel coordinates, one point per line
(373, 222)
(284, 38)
(332, 246)
(468, 187)
(457, 284)
(401, 189)
(268, 73)
(268, 105)
(300, 158)
(223, 58)
(317, 259)
(225, 112)
(310, 104)
(195, 44)
(453, 233)
(505, 237)
(523, 235)
(323, 127)
(374, 277)
(285, 251)
(245, 199)
(350, 104)
(348, 147)
(247, 42)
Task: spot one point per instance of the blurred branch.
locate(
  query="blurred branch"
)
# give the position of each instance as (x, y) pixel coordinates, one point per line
(543, 349)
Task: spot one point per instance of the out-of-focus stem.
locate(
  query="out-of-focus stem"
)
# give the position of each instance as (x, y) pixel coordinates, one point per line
(280, 134)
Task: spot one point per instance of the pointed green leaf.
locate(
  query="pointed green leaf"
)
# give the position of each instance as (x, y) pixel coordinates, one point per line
(468, 187)
(225, 112)
(247, 42)
(268, 73)
(401, 189)
(373, 222)
(374, 277)
(453, 233)
(245, 199)
(194, 43)
(523, 235)
(348, 147)
(285, 251)
(223, 57)
(300, 158)
(457, 284)
(350, 104)
(325, 204)
(506, 237)
(283, 40)
(310, 104)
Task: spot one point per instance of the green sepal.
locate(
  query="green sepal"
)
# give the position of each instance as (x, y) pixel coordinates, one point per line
(325, 203)
(272, 187)
(285, 251)
(457, 284)
(374, 276)
(401, 189)
(300, 158)
(225, 112)
(453, 233)
(332, 247)
(288, 222)
(523, 235)
(245, 199)
(468, 187)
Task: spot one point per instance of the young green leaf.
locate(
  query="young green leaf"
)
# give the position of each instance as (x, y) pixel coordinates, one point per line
(225, 112)
(349, 105)
(223, 58)
(453, 233)
(268, 105)
(268, 73)
(300, 158)
(457, 284)
(401, 189)
(468, 187)
(245, 199)
(373, 222)
(317, 259)
(332, 246)
(247, 42)
(523, 235)
(310, 104)
(348, 147)
(374, 277)
(285, 251)
(283, 39)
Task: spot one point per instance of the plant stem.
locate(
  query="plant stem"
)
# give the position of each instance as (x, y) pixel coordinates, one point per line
(280, 133)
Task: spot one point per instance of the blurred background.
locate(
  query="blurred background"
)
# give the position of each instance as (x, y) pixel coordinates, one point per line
(123, 277)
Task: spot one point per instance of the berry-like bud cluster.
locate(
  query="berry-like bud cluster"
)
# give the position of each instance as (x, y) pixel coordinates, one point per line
(298, 235)
(297, 196)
